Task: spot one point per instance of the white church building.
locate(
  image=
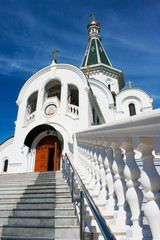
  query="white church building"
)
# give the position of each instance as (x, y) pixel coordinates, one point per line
(61, 99)
(65, 109)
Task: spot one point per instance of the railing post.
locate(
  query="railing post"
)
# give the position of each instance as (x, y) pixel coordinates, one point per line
(68, 172)
(81, 215)
(72, 186)
(63, 167)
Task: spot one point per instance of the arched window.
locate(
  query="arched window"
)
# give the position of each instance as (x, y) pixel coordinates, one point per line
(32, 103)
(5, 166)
(73, 95)
(53, 89)
(132, 109)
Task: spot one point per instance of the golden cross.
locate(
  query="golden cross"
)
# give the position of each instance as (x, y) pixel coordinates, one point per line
(88, 68)
(55, 56)
(92, 14)
(129, 84)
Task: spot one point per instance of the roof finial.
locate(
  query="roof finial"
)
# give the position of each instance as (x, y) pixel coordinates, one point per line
(92, 14)
(55, 56)
(129, 84)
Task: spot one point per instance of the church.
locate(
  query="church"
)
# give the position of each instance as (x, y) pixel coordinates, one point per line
(60, 100)
(109, 133)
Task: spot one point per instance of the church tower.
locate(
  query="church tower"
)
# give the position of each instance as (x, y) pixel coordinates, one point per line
(97, 63)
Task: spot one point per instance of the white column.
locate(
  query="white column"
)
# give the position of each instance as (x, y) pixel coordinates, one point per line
(96, 190)
(150, 182)
(119, 184)
(92, 181)
(101, 155)
(108, 210)
(134, 195)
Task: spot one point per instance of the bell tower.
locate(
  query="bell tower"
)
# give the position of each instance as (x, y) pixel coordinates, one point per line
(96, 60)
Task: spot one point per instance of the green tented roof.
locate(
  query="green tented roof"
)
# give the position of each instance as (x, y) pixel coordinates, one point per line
(92, 56)
(102, 54)
(95, 54)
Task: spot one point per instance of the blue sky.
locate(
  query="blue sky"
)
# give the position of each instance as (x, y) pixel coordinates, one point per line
(31, 29)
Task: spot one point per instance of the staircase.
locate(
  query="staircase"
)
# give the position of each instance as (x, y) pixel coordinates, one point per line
(36, 206)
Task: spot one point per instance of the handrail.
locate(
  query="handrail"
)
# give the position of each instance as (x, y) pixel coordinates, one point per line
(105, 230)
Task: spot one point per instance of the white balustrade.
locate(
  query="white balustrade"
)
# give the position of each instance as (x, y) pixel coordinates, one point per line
(106, 159)
(30, 118)
(73, 109)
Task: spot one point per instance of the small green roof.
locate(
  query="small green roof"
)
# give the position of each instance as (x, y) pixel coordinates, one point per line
(95, 54)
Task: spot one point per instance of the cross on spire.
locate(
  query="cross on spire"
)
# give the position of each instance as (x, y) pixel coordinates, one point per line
(55, 56)
(129, 84)
(92, 14)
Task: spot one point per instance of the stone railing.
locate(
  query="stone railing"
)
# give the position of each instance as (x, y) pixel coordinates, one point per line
(73, 109)
(30, 118)
(128, 198)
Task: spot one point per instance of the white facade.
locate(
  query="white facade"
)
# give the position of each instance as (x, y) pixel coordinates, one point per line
(62, 99)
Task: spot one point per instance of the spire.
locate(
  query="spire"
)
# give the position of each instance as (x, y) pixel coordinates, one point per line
(95, 52)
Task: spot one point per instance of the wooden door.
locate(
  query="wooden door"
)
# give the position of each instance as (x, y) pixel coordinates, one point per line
(43, 157)
(41, 164)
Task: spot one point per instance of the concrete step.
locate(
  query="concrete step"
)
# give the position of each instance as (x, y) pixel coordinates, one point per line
(29, 174)
(38, 212)
(32, 181)
(52, 221)
(32, 185)
(48, 232)
(34, 188)
(34, 191)
(35, 195)
(37, 238)
(42, 205)
(36, 200)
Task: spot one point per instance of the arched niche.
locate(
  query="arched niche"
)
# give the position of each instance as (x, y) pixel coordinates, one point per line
(52, 89)
(5, 165)
(32, 102)
(73, 95)
(132, 109)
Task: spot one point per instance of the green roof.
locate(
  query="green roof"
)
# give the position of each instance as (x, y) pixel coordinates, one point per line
(95, 54)
(102, 54)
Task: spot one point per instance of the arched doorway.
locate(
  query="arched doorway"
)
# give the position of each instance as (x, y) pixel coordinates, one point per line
(48, 154)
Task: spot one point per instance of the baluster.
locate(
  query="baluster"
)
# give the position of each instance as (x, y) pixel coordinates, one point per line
(150, 182)
(86, 161)
(96, 190)
(103, 193)
(108, 210)
(119, 184)
(89, 177)
(134, 195)
(92, 182)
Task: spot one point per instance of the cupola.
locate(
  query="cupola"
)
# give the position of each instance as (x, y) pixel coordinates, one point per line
(95, 53)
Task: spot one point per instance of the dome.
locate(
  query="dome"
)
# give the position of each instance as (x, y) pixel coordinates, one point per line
(93, 22)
